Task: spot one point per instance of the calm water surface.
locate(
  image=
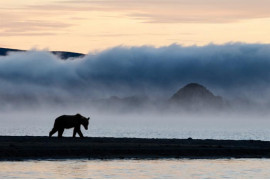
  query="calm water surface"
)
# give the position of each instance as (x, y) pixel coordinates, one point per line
(165, 168)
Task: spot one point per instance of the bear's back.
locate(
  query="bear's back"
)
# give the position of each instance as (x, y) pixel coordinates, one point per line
(66, 121)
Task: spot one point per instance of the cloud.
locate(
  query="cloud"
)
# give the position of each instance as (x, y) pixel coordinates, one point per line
(5, 34)
(152, 11)
(175, 11)
(27, 22)
(233, 69)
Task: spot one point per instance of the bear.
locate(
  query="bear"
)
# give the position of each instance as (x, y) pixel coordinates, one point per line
(69, 121)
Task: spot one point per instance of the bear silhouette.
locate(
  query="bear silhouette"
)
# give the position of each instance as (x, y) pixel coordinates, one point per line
(69, 121)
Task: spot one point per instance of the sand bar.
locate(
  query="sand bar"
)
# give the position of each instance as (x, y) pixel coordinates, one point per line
(36, 147)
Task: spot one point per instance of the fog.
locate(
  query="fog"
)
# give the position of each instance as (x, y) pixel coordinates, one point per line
(126, 90)
(141, 125)
(230, 70)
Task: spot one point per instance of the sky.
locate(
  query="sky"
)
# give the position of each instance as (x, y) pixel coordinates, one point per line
(94, 25)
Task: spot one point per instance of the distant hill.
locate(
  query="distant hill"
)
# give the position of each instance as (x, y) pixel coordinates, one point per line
(5, 51)
(195, 95)
(61, 54)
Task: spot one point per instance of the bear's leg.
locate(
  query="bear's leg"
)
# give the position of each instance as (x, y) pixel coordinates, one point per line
(52, 132)
(74, 132)
(60, 132)
(80, 133)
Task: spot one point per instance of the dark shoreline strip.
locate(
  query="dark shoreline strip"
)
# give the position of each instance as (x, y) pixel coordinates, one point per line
(30, 147)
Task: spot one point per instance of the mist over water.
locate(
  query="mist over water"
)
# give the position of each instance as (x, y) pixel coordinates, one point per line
(141, 125)
(126, 91)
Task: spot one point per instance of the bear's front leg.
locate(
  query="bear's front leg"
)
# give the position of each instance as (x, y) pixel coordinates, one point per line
(80, 133)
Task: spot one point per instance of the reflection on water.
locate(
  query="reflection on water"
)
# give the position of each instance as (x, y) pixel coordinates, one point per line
(165, 168)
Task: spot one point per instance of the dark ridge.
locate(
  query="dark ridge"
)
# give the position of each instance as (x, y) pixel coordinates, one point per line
(60, 54)
(30, 147)
(5, 51)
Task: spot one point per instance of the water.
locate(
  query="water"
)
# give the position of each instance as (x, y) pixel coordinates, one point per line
(164, 168)
(38, 123)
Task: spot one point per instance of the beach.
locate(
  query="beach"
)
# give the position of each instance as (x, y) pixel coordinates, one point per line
(40, 147)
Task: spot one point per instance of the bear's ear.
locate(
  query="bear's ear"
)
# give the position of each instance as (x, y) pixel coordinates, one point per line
(88, 118)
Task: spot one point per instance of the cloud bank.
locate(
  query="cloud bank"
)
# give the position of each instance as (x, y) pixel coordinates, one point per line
(231, 70)
(169, 11)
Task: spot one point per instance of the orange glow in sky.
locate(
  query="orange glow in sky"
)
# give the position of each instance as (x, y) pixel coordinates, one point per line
(88, 25)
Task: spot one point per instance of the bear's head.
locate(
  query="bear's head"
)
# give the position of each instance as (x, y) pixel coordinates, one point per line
(84, 121)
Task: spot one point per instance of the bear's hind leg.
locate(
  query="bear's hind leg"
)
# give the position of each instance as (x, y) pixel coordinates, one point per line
(60, 132)
(52, 132)
(74, 132)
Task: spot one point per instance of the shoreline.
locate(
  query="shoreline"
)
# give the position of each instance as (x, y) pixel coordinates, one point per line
(42, 148)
